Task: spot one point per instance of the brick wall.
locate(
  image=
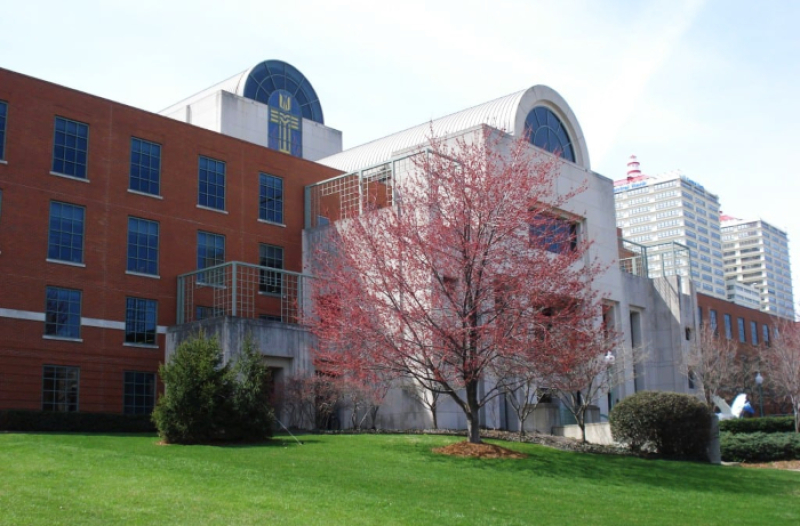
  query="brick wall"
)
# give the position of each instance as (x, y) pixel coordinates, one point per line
(28, 188)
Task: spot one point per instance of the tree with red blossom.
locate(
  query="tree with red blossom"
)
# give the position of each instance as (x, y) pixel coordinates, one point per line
(585, 366)
(782, 357)
(473, 262)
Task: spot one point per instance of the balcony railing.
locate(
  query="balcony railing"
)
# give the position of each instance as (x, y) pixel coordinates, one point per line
(633, 258)
(653, 261)
(242, 289)
(350, 194)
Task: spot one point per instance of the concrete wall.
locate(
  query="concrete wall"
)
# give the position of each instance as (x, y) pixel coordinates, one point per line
(542, 420)
(284, 346)
(666, 308)
(597, 433)
(246, 119)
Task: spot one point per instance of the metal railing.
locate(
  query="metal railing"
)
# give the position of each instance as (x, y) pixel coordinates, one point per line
(244, 290)
(668, 259)
(348, 195)
(654, 261)
(636, 261)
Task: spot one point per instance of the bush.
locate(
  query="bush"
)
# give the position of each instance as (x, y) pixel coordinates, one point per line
(254, 417)
(759, 447)
(769, 424)
(197, 400)
(673, 424)
(206, 401)
(48, 421)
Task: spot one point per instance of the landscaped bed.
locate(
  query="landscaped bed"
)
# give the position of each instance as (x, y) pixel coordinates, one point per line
(369, 479)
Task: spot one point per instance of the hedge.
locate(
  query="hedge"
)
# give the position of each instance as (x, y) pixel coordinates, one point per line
(768, 424)
(759, 447)
(49, 421)
(671, 424)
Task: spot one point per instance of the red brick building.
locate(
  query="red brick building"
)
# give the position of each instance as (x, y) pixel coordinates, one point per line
(102, 206)
(751, 329)
(748, 326)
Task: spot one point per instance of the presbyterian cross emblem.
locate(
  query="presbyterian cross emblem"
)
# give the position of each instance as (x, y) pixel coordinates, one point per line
(285, 123)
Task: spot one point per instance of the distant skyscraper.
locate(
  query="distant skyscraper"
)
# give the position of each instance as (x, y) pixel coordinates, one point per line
(665, 212)
(757, 254)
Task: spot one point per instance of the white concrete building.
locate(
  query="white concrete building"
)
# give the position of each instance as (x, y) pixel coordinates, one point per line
(271, 104)
(756, 254)
(274, 105)
(744, 295)
(665, 212)
(653, 315)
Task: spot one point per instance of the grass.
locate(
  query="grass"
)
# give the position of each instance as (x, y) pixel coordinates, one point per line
(366, 479)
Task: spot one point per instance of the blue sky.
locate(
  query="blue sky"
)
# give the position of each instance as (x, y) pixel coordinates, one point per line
(706, 86)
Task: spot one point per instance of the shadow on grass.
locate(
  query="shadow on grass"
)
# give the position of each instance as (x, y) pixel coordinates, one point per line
(277, 441)
(149, 434)
(280, 441)
(611, 470)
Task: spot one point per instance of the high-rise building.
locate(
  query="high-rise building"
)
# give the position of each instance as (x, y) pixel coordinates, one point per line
(757, 254)
(676, 221)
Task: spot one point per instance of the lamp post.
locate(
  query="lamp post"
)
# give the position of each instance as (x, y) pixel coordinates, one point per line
(759, 382)
(610, 360)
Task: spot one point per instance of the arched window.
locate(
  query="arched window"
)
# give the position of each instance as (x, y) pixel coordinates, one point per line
(546, 131)
(275, 75)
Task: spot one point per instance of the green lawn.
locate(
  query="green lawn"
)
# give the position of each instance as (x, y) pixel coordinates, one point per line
(102, 479)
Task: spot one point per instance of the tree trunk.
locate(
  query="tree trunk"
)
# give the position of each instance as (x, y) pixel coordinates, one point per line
(473, 427)
(375, 410)
(473, 415)
(580, 417)
(433, 414)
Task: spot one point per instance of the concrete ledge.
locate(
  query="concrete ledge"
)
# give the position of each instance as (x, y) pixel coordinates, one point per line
(599, 433)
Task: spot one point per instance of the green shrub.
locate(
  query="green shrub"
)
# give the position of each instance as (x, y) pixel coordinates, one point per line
(206, 401)
(673, 424)
(197, 401)
(49, 421)
(254, 417)
(759, 447)
(769, 424)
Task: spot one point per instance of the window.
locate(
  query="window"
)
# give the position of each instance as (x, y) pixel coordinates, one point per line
(271, 75)
(140, 393)
(202, 312)
(753, 333)
(699, 316)
(270, 256)
(728, 328)
(65, 239)
(270, 198)
(142, 246)
(62, 317)
(212, 183)
(545, 130)
(210, 252)
(557, 235)
(765, 334)
(3, 119)
(70, 148)
(60, 386)
(740, 326)
(140, 321)
(145, 174)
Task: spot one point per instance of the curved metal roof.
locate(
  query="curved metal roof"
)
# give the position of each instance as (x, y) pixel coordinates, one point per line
(499, 113)
(506, 113)
(259, 81)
